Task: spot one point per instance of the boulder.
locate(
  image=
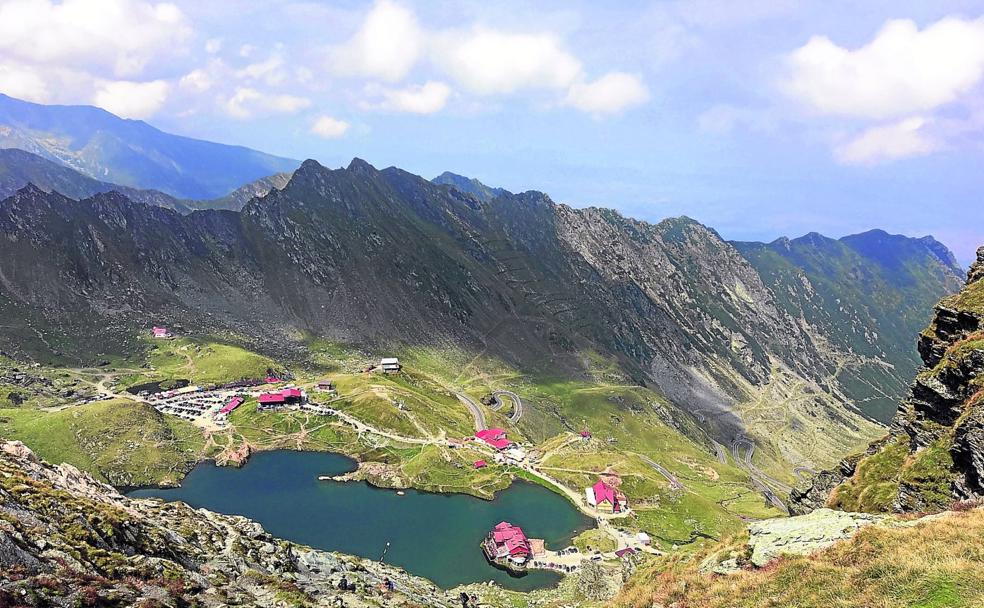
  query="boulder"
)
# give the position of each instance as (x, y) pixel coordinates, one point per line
(804, 534)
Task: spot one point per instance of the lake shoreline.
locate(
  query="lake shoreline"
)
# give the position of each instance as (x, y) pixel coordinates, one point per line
(280, 490)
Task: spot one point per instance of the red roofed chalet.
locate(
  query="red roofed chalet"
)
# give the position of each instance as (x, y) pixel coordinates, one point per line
(280, 398)
(507, 544)
(606, 498)
(494, 437)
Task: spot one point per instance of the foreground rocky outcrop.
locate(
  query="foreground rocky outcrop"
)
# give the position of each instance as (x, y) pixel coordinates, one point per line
(935, 452)
(827, 558)
(69, 540)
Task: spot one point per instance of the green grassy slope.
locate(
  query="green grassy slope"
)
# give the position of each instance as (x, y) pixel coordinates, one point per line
(123, 442)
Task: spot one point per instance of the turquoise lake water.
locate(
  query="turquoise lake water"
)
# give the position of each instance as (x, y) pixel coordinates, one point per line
(436, 536)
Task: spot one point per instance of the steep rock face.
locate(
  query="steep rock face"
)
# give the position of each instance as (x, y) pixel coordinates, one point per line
(935, 454)
(68, 540)
(816, 494)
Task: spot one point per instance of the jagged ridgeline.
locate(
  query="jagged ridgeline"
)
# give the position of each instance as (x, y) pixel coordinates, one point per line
(385, 257)
(934, 455)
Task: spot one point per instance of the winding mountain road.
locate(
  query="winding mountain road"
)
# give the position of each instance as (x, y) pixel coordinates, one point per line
(675, 483)
(804, 473)
(476, 411)
(720, 452)
(517, 412)
(758, 477)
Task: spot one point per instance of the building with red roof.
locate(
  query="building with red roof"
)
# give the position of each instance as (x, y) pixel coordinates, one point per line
(605, 497)
(507, 545)
(480, 464)
(233, 404)
(287, 396)
(494, 437)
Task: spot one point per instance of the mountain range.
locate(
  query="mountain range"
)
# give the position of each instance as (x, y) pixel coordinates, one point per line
(780, 339)
(131, 152)
(387, 258)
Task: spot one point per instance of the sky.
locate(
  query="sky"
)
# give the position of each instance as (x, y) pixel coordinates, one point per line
(759, 118)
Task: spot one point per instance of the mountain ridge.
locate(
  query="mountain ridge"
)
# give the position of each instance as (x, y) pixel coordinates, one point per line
(522, 278)
(19, 167)
(470, 185)
(130, 152)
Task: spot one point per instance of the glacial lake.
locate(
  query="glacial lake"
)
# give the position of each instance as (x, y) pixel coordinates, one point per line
(436, 536)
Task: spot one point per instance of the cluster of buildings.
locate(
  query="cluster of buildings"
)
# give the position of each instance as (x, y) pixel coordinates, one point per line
(507, 545)
(606, 497)
(507, 451)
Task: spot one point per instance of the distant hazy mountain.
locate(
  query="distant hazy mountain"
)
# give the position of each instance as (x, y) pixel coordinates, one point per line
(237, 199)
(868, 294)
(131, 152)
(19, 168)
(469, 185)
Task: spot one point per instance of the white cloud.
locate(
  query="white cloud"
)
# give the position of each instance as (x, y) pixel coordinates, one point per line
(121, 36)
(132, 99)
(270, 71)
(902, 71)
(489, 62)
(197, 80)
(24, 83)
(386, 46)
(609, 94)
(427, 98)
(247, 102)
(894, 141)
(213, 45)
(481, 60)
(329, 128)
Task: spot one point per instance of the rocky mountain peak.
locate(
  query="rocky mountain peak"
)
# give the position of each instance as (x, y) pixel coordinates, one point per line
(360, 167)
(976, 272)
(941, 251)
(470, 185)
